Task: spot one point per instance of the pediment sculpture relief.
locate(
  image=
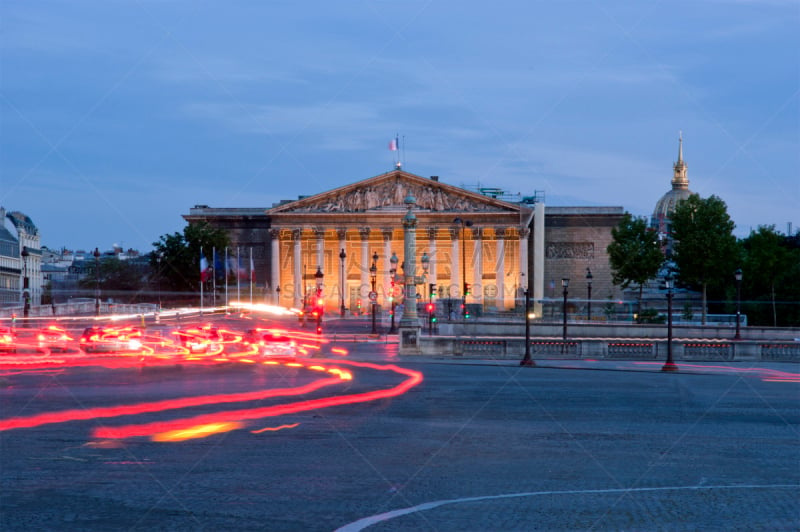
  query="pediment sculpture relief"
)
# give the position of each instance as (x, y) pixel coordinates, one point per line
(390, 195)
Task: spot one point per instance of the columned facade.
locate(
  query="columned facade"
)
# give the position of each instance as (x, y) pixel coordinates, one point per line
(502, 250)
(366, 218)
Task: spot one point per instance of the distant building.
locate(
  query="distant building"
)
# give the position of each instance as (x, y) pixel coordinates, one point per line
(660, 221)
(505, 247)
(20, 259)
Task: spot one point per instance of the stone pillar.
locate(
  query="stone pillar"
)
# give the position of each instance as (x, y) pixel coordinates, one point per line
(477, 265)
(524, 232)
(343, 293)
(538, 258)
(385, 280)
(432, 254)
(409, 323)
(364, 267)
(275, 262)
(456, 282)
(319, 233)
(500, 268)
(297, 277)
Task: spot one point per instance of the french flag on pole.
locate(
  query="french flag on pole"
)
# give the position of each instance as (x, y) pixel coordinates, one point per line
(203, 267)
(393, 144)
(252, 268)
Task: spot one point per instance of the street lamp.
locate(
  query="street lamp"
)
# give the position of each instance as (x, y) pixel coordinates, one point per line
(158, 274)
(96, 282)
(527, 360)
(393, 272)
(738, 277)
(373, 296)
(26, 294)
(565, 285)
(425, 260)
(464, 285)
(318, 302)
(669, 365)
(589, 288)
(342, 256)
(278, 294)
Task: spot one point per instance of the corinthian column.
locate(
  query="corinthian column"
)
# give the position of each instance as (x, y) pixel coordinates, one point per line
(275, 261)
(500, 268)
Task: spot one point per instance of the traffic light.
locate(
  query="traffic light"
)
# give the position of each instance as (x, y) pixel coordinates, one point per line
(467, 289)
(432, 290)
(433, 318)
(319, 329)
(429, 307)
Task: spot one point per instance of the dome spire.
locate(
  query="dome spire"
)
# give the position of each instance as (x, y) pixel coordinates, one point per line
(680, 179)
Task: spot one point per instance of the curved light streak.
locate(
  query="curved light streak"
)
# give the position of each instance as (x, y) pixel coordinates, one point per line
(249, 414)
(207, 424)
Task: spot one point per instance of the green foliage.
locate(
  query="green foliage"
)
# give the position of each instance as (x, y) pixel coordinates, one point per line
(705, 251)
(176, 257)
(634, 253)
(771, 278)
(650, 315)
(687, 314)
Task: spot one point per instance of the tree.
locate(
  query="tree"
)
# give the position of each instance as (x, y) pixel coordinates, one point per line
(634, 253)
(705, 249)
(179, 267)
(771, 266)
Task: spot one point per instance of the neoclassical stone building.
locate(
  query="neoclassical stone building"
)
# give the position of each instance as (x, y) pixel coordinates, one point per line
(498, 247)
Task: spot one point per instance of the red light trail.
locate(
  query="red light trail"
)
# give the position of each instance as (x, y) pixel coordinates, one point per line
(206, 424)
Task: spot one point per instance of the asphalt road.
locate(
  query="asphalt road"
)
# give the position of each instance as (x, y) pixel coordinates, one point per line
(474, 446)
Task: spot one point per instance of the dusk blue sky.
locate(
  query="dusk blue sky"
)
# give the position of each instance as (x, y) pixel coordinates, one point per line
(117, 117)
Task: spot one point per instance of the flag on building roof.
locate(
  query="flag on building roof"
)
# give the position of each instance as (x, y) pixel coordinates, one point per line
(393, 144)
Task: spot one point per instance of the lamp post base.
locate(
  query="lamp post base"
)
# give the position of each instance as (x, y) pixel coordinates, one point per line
(527, 362)
(409, 339)
(669, 366)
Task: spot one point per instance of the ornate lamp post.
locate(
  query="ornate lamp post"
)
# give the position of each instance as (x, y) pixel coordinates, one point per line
(318, 302)
(425, 260)
(527, 360)
(589, 289)
(342, 282)
(373, 296)
(393, 272)
(26, 294)
(96, 282)
(278, 294)
(738, 277)
(669, 365)
(464, 285)
(564, 285)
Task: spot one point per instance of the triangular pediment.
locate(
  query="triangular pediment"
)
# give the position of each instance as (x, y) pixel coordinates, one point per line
(387, 192)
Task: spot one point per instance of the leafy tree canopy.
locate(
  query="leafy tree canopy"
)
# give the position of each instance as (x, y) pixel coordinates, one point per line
(706, 252)
(176, 257)
(634, 253)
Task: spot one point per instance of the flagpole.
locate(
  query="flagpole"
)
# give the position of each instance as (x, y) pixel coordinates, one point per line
(238, 275)
(226, 279)
(214, 275)
(201, 280)
(252, 276)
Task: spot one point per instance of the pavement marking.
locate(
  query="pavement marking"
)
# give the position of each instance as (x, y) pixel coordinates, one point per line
(365, 522)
